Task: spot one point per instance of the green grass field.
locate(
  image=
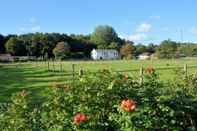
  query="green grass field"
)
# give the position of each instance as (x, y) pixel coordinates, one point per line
(35, 77)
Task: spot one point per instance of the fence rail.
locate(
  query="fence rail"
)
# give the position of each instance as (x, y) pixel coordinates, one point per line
(75, 70)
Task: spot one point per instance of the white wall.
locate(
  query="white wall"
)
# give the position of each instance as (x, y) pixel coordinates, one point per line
(104, 54)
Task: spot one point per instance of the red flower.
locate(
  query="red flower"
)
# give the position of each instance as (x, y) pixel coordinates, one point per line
(80, 118)
(149, 70)
(128, 105)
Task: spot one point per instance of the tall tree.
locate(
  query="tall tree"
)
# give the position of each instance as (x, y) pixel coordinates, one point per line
(127, 51)
(61, 50)
(151, 48)
(114, 45)
(140, 49)
(103, 36)
(167, 49)
(2, 44)
(15, 46)
(188, 49)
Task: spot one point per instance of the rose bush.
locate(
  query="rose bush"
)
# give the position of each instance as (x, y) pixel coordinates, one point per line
(107, 101)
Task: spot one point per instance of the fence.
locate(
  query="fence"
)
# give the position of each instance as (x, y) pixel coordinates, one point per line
(76, 70)
(73, 70)
(58, 68)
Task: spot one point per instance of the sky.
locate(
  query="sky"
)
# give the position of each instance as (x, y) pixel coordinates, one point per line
(142, 21)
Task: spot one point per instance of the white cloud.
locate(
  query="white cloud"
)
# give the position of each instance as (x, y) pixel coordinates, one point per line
(194, 30)
(144, 27)
(30, 26)
(35, 28)
(156, 17)
(137, 37)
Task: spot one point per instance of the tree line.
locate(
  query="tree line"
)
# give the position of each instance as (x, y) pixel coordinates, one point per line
(63, 46)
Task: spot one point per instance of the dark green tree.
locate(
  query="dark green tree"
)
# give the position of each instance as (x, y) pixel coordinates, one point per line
(103, 36)
(114, 45)
(15, 46)
(140, 49)
(151, 48)
(2, 44)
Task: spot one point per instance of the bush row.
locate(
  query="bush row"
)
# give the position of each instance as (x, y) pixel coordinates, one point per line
(107, 101)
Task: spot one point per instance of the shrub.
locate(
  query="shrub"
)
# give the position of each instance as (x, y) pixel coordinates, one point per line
(107, 101)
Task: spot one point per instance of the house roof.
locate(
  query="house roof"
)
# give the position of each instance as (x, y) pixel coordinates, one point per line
(105, 50)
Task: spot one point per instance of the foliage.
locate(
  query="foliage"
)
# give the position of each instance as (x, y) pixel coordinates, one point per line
(15, 46)
(41, 45)
(114, 45)
(188, 49)
(108, 101)
(140, 49)
(103, 36)
(2, 44)
(167, 49)
(61, 50)
(127, 51)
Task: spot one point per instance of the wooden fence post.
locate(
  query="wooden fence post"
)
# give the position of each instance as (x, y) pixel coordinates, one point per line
(73, 71)
(81, 72)
(48, 65)
(53, 65)
(61, 70)
(141, 75)
(185, 71)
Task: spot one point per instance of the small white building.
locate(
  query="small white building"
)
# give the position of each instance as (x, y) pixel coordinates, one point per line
(104, 54)
(144, 56)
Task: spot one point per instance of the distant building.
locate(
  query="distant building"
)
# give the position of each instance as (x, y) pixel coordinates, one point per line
(6, 58)
(104, 54)
(144, 56)
(147, 56)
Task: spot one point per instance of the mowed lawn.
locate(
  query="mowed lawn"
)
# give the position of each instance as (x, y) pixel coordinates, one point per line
(35, 77)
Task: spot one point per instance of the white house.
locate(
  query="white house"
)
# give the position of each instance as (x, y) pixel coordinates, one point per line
(105, 54)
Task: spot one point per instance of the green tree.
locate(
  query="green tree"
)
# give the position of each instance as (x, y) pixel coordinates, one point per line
(15, 46)
(127, 51)
(103, 36)
(167, 49)
(61, 50)
(114, 45)
(151, 48)
(140, 49)
(2, 44)
(188, 49)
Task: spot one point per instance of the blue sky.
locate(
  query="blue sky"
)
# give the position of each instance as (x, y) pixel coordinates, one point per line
(138, 20)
